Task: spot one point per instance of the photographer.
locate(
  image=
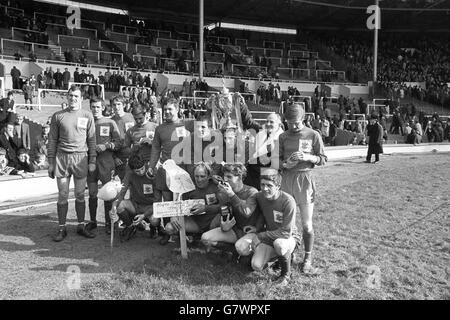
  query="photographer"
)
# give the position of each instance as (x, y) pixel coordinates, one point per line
(239, 199)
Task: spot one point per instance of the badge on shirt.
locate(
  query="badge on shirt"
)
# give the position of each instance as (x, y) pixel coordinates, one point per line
(149, 134)
(181, 132)
(128, 125)
(104, 131)
(147, 188)
(305, 146)
(82, 123)
(210, 199)
(277, 216)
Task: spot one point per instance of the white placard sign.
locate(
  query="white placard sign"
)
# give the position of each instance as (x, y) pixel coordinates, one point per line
(175, 208)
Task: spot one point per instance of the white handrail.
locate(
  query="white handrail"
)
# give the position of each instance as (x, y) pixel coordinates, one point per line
(274, 42)
(74, 37)
(237, 40)
(115, 42)
(300, 60)
(33, 44)
(304, 53)
(265, 50)
(64, 26)
(298, 44)
(147, 46)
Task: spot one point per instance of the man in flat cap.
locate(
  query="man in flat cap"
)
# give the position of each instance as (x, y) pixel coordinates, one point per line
(375, 134)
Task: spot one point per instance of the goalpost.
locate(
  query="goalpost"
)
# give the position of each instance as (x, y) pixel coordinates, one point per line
(85, 89)
(2, 87)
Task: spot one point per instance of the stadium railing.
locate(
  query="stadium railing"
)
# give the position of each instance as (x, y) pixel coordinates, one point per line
(221, 40)
(98, 24)
(153, 49)
(62, 37)
(15, 31)
(294, 73)
(274, 44)
(81, 32)
(267, 51)
(243, 68)
(240, 42)
(298, 46)
(11, 10)
(179, 44)
(187, 36)
(33, 46)
(121, 45)
(122, 28)
(161, 33)
(335, 75)
(212, 55)
(276, 61)
(58, 19)
(322, 62)
(303, 54)
(303, 63)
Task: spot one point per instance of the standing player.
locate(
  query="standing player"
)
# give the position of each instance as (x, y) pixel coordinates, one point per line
(124, 121)
(301, 149)
(107, 136)
(278, 239)
(167, 136)
(138, 139)
(71, 152)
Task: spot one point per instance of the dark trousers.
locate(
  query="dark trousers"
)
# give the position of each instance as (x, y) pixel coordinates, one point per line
(369, 157)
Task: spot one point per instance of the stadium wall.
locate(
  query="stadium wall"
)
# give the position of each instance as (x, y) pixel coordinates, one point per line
(15, 189)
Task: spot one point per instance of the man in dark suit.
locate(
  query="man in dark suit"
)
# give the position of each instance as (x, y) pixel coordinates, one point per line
(6, 109)
(22, 130)
(11, 143)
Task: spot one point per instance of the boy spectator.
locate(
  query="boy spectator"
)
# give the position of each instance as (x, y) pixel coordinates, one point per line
(40, 163)
(4, 168)
(28, 94)
(24, 164)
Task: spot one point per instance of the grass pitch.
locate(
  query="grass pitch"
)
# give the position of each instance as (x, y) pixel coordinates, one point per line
(382, 232)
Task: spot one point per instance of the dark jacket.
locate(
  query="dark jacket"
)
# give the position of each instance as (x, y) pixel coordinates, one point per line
(11, 145)
(375, 133)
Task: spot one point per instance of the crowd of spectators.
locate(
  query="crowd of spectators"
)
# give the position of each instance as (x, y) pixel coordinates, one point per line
(401, 60)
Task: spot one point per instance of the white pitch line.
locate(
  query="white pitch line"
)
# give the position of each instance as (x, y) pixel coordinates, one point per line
(30, 206)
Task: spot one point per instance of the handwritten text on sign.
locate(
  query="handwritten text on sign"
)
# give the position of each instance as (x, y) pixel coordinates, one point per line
(175, 208)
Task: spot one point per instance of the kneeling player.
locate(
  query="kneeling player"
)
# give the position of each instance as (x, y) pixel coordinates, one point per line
(239, 200)
(278, 240)
(204, 217)
(140, 204)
